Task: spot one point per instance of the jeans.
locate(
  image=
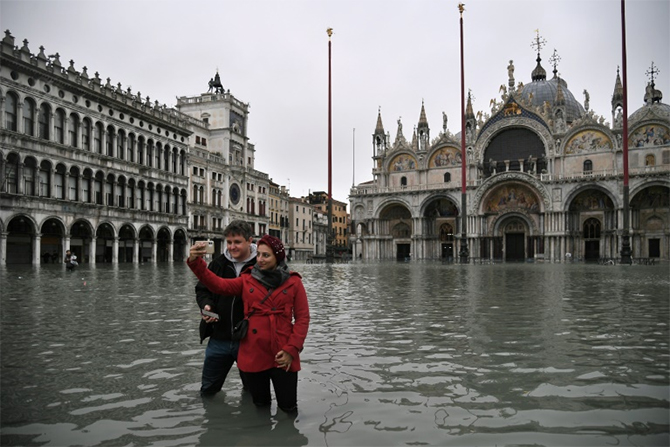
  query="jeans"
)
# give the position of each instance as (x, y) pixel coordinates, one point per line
(219, 358)
(284, 383)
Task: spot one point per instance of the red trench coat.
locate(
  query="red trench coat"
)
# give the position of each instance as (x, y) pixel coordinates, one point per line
(280, 323)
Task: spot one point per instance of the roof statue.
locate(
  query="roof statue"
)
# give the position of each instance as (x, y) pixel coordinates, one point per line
(215, 84)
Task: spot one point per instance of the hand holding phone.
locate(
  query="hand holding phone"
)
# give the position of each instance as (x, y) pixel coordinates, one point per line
(209, 314)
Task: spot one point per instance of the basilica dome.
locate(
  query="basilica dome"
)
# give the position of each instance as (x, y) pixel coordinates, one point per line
(541, 90)
(653, 107)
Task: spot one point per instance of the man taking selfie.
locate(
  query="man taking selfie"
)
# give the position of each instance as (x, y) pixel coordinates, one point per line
(221, 350)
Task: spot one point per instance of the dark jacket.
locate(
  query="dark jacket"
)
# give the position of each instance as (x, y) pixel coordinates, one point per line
(230, 309)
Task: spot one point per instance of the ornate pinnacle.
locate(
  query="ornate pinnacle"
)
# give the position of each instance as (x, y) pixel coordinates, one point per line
(554, 60)
(538, 43)
(330, 32)
(461, 8)
(652, 72)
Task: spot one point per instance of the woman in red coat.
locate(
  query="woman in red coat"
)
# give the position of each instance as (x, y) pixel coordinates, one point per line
(276, 305)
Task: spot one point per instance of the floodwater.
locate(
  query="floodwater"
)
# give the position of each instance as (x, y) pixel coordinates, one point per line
(397, 354)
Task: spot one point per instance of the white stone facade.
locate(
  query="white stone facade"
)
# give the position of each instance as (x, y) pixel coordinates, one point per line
(540, 186)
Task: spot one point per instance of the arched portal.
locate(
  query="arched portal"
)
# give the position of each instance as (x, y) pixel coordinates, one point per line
(146, 244)
(179, 246)
(650, 221)
(104, 245)
(51, 242)
(395, 220)
(163, 241)
(126, 243)
(20, 240)
(511, 241)
(440, 221)
(80, 240)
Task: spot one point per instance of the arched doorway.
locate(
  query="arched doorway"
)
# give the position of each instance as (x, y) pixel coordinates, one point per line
(104, 245)
(20, 237)
(51, 242)
(447, 241)
(440, 220)
(591, 235)
(162, 245)
(510, 244)
(395, 220)
(81, 234)
(126, 243)
(179, 246)
(650, 220)
(146, 244)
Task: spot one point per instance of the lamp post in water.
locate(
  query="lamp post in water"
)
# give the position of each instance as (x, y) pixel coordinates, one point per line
(329, 234)
(625, 240)
(464, 253)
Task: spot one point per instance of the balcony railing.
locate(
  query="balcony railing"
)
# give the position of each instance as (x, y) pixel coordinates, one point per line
(455, 185)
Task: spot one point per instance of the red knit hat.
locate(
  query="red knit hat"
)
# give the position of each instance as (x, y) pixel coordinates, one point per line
(275, 245)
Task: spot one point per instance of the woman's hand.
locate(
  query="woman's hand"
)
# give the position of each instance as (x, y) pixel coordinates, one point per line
(284, 359)
(197, 250)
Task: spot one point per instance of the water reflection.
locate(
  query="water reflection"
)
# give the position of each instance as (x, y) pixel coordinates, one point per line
(410, 353)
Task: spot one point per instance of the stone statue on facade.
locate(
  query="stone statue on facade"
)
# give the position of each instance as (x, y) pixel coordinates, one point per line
(587, 97)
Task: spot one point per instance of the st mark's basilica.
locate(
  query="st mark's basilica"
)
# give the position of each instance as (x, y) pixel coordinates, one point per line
(544, 179)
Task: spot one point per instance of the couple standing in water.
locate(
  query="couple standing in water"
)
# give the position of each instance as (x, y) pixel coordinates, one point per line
(251, 281)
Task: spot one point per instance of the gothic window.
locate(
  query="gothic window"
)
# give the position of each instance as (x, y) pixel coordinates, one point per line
(131, 148)
(59, 182)
(120, 143)
(10, 111)
(650, 160)
(43, 121)
(29, 117)
(447, 177)
(86, 187)
(73, 184)
(11, 174)
(44, 180)
(403, 181)
(86, 134)
(592, 228)
(59, 126)
(73, 130)
(97, 138)
(109, 141)
(29, 173)
(588, 166)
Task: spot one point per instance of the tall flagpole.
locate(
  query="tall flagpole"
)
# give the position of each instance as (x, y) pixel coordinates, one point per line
(464, 252)
(329, 235)
(625, 240)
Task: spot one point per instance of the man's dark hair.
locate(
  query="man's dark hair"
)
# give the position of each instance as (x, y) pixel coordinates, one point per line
(238, 228)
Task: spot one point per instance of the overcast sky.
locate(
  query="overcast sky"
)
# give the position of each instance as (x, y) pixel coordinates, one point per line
(388, 54)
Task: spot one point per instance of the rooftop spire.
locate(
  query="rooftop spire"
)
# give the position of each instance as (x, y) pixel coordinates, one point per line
(617, 95)
(423, 121)
(379, 130)
(538, 74)
(469, 114)
(554, 60)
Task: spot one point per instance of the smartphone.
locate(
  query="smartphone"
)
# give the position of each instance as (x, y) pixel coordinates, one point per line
(209, 314)
(210, 248)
